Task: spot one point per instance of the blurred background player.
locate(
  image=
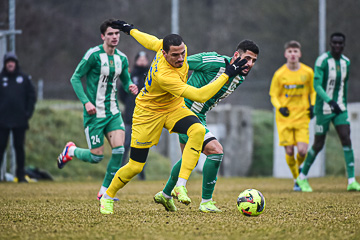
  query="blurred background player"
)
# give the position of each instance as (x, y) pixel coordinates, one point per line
(102, 66)
(138, 74)
(17, 104)
(206, 67)
(293, 96)
(161, 105)
(330, 82)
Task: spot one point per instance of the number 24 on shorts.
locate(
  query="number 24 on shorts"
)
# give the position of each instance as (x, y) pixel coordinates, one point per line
(95, 139)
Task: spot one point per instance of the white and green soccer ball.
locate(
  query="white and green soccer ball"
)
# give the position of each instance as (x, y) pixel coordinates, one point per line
(251, 202)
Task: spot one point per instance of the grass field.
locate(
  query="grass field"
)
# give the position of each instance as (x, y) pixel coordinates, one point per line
(69, 210)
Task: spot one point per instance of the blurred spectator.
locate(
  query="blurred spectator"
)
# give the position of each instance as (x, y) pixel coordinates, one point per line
(17, 103)
(138, 74)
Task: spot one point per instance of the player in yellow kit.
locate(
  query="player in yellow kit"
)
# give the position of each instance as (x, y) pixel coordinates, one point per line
(293, 95)
(160, 104)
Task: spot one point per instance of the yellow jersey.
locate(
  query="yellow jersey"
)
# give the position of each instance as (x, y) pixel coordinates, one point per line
(164, 84)
(294, 90)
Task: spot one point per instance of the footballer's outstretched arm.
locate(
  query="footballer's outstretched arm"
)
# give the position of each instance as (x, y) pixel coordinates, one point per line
(208, 91)
(148, 41)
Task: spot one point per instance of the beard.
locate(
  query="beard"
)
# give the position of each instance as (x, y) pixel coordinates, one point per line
(244, 74)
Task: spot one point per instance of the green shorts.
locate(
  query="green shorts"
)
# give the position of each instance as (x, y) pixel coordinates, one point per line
(323, 121)
(96, 128)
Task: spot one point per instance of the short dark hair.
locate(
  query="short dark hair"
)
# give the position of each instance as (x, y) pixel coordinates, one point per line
(246, 44)
(171, 40)
(292, 44)
(104, 26)
(337, 34)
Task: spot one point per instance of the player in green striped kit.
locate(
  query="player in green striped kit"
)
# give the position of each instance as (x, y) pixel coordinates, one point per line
(330, 83)
(102, 66)
(207, 67)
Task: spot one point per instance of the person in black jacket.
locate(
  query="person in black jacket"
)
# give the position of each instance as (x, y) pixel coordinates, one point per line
(17, 103)
(138, 74)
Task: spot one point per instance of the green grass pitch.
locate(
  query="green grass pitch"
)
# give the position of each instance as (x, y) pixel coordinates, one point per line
(69, 210)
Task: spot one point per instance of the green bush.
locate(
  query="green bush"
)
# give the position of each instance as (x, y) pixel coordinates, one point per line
(263, 127)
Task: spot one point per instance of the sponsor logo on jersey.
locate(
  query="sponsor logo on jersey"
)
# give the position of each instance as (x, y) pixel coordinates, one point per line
(111, 63)
(294, 86)
(143, 143)
(293, 95)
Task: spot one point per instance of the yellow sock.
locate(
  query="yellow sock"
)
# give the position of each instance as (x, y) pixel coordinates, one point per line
(192, 150)
(292, 165)
(300, 159)
(123, 176)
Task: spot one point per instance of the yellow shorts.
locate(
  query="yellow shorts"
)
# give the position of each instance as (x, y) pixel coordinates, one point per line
(147, 126)
(291, 135)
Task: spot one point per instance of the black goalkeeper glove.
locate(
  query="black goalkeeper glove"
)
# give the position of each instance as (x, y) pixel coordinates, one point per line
(311, 111)
(284, 111)
(122, 26)
(235, 69)
(334, 107)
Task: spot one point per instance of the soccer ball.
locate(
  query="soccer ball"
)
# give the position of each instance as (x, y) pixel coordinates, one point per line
(251, 202)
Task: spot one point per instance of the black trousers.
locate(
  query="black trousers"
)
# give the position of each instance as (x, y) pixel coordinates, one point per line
(19, 146)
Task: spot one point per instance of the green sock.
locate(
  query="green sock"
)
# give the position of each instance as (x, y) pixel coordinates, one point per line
(349, 159)
(83, 154)
(173, 178)
(310, 158)
(210, 170)
(113, 165)
(86, 156)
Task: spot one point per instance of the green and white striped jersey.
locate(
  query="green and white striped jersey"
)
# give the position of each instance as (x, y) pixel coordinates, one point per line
(206, 68)
(101, 71)
(330, 82)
